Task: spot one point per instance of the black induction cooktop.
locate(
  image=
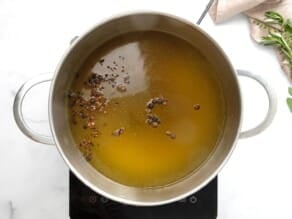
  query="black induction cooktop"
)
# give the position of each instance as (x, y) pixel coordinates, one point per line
(86, 204)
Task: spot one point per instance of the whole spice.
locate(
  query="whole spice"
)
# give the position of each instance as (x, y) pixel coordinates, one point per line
(170, 134)
(118, 131)
(159, 100)
(84, 109)
(126, 79)
(197, 106)
(91, 124)
(86, 148)
(121, 88)
(156, 101)
(155, 124)
(153, 120)
(150, 105)
(101, 61)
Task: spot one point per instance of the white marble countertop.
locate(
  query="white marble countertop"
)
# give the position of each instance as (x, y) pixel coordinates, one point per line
(257, 181)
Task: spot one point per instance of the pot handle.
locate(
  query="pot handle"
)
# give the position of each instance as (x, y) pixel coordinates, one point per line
(272, 105)
(17, 109)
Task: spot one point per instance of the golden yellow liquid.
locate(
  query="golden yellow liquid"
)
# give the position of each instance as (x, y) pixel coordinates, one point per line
(158, 64)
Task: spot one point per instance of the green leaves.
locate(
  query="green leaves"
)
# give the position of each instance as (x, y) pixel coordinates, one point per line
(280, 38)
(274, 18)
(288, 25)
(290, 91)
(289, 102)
(273, 39)
(289, 99)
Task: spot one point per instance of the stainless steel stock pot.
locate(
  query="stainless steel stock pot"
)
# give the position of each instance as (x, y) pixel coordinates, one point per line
(70, 63)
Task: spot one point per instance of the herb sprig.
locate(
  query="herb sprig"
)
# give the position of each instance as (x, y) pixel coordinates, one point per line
(281, 35)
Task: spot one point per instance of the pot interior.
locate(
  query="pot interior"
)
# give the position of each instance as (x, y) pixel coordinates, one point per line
(75, 57)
